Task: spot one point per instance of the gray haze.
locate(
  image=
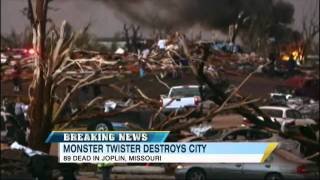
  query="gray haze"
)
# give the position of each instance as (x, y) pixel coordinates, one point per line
(105, 20)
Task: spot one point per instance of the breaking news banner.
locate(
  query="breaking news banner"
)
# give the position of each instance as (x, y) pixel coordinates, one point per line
(150, 147)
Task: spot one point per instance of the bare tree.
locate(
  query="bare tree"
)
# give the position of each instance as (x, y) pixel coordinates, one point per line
(135, 37)
(51, 64)
(127, 36)
(132, 36)
(310, 29)
(39, 90)
(54, 67)
(234, 28)
(17, 40)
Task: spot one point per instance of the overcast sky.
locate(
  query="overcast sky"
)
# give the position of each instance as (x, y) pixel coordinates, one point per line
(105, 21)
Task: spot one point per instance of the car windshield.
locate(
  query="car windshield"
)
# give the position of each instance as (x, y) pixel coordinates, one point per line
(273, 112)
(283, 90)
(289, 145)
(120, 127)
(239, 135)
(247, 134)
(185, 92)
(259, 135)
(294, 114)
(279, 97)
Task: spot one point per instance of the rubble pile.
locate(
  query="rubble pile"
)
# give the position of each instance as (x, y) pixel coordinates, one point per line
(239, 63)
(307, 107)
(21, 161)
(151, 58)
(164, 62)
(14, 163)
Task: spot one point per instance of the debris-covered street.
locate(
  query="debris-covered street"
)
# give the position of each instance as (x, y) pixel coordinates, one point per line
(238, 77)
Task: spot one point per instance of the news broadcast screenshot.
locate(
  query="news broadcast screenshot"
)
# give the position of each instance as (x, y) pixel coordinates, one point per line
(160, 90)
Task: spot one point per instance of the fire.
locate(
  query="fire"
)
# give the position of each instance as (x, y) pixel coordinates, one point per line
(296, 55)
(285, 57)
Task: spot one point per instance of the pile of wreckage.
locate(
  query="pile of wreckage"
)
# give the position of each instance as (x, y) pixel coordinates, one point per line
(162, 56)
(21, 162)
(309, 108)
(303, 99)
(183, 126)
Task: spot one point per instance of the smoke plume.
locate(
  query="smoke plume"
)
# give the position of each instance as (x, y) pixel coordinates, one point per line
(217, 14)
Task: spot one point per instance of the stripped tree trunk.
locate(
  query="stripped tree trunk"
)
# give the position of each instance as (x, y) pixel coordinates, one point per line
(51, 63)
(39, 90)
